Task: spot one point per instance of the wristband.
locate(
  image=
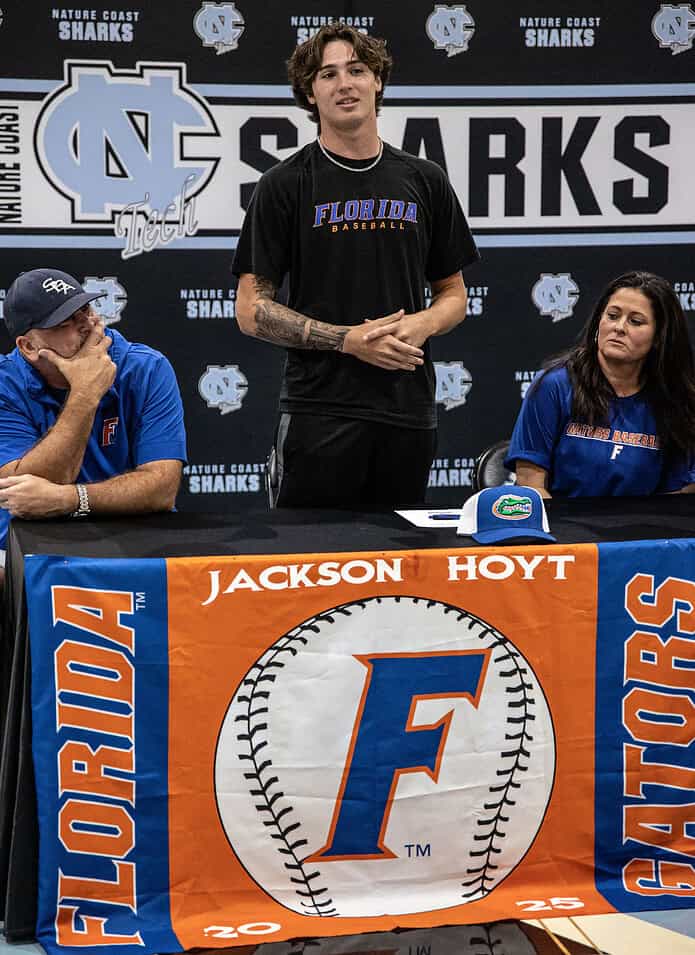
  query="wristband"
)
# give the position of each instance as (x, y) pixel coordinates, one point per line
(83, 505)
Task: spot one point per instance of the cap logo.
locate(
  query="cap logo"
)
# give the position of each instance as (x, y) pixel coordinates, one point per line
(58, 285)
(511, 507)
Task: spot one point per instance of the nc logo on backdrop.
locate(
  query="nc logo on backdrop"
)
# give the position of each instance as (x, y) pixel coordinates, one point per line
(450, 28)
(109, 138)
(674, 27)
(555, 295)
(454, 381)
(219, 25)
(223, 387)
(113, 298)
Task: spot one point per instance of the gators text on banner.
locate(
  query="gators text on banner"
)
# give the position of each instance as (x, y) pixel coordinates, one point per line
(247, 749)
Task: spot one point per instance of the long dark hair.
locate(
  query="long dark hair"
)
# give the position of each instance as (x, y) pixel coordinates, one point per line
(668, 373)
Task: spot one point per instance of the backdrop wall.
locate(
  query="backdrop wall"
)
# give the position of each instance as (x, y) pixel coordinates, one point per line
(132, 135)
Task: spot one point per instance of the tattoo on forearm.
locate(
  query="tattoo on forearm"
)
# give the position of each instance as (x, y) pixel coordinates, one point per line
(264, 287)
(325, 337)
(281, 325)
(275, 323)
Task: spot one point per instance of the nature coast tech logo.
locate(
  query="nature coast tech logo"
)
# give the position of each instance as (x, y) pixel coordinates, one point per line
(454, 381)
(450, 28)
(113, 298)
(555, 295)
(674, 27)
(445, 757)
(220, 26)
(223, 387)
(127, 147)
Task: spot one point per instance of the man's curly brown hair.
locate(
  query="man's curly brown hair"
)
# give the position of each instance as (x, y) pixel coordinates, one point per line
(305, 62)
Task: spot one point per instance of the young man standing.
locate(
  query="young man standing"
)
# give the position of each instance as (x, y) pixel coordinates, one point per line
(360, 227)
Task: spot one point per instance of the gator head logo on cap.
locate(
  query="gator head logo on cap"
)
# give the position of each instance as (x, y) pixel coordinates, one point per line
(497, 514)
(511, 507)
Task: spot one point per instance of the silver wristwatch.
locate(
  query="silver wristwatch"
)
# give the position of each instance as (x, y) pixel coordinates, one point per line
(83, 506)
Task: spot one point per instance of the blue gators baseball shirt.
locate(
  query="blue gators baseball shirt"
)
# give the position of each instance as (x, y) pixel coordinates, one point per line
(623, 458)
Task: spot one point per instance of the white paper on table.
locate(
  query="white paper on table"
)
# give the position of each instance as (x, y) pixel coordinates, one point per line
(431, 517)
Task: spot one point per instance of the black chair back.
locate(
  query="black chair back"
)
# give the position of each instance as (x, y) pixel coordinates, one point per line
(271, 478)
(489, 469)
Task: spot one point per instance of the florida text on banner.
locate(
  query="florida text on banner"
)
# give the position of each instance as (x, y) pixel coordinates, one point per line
(244, 749)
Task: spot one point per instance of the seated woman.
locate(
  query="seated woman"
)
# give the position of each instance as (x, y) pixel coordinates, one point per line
(614, 415)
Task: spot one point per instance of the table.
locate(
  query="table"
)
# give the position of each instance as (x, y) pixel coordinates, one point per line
(264, 533)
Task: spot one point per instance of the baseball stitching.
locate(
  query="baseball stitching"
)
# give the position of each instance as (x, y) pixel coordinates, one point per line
(518, 753)
(277, 814)
(268, 792)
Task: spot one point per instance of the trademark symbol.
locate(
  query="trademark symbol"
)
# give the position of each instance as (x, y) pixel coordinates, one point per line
(140, 601)
(415, 851)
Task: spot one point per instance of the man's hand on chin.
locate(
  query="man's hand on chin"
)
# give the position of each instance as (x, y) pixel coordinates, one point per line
(90, 372)
(29, 496)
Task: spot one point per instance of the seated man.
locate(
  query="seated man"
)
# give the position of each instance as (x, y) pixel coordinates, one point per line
(89, 422)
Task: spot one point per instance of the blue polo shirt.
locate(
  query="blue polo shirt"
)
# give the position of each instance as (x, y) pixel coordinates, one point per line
(139, 419)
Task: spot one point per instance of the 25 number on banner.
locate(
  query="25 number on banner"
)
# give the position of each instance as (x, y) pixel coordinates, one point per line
(545, 905)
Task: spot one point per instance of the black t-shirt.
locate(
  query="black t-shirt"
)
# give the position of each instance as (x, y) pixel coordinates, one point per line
(357, 244)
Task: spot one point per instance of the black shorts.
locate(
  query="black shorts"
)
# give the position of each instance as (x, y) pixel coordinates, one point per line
(330, 462)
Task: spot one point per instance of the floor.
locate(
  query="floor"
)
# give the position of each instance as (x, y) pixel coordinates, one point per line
(657, 933)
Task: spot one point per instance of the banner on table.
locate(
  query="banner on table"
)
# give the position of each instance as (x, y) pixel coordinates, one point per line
(237, 750)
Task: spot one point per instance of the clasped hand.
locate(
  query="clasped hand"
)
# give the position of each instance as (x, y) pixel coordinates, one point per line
(30, 496)
(392, 342)
(90, 372)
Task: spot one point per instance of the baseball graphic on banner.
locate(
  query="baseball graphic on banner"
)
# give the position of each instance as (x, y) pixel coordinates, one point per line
(388, 756)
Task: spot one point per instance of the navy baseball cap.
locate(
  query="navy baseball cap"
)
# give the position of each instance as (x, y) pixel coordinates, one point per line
(43, 298)
(505, 513)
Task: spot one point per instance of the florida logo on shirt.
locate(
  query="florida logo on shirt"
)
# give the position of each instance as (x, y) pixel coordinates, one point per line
(365, 214)
(108, 431)
(511, 507)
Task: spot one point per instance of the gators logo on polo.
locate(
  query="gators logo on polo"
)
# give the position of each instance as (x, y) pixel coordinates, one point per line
(376, 733)
(512, 507)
